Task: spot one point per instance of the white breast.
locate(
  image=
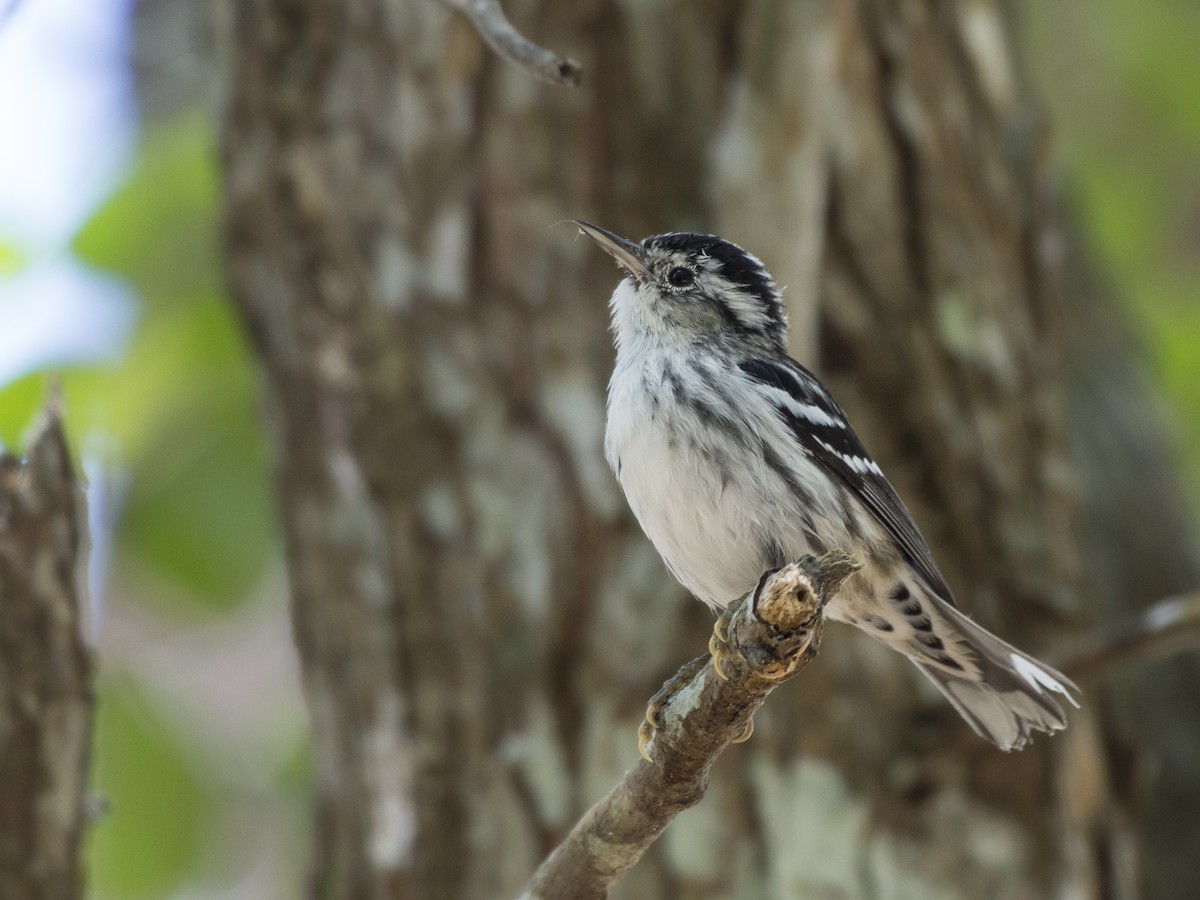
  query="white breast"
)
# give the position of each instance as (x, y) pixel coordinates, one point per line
(716, 512)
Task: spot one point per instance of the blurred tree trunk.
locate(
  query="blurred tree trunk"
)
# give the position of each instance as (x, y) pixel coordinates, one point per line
(480, 621)
(46, 698)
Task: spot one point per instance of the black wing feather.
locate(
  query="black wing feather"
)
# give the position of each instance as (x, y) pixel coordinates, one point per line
(832, 442)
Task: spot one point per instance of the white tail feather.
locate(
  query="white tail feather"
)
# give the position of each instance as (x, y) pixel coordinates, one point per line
(1014, 696)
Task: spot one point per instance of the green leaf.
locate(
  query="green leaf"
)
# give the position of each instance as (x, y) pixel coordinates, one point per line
(157, 809)
(183, 405)
(160, 228)
(20, 402)
(11, 260)
(200, 509)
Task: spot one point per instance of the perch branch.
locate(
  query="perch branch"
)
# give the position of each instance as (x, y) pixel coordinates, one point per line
(501, 36)
(1167, 627)
(763, 639)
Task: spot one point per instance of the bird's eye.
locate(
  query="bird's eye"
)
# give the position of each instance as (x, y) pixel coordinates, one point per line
(681, 277)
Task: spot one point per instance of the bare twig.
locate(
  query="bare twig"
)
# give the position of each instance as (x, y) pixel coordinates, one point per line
(500, 35)
(761, 641)
(1166, 627)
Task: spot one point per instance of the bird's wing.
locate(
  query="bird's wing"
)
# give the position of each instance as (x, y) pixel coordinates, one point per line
(820, 426)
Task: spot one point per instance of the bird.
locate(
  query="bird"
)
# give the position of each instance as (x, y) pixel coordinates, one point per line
(735, 460)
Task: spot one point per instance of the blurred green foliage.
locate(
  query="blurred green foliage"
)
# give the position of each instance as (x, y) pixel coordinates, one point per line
(181, 407)
(151, 832)
(180, 415)
(1122, 83)
(11, 260)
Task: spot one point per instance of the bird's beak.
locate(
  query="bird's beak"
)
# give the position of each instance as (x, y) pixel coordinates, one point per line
(628, 255)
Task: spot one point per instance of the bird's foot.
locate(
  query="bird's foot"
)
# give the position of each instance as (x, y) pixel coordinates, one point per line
(658, 703)
(717, 647)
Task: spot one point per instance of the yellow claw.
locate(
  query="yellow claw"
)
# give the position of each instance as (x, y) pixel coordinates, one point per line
(645, 736)
(718, 666)
(716, 647)
(745, 735)
(647, 729)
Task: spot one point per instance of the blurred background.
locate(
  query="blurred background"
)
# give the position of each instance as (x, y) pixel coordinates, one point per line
(110, 279)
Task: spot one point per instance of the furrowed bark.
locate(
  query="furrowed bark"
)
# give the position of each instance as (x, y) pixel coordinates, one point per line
(46, 700)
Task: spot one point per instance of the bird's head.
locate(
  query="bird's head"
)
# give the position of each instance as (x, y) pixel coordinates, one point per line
(690, 288)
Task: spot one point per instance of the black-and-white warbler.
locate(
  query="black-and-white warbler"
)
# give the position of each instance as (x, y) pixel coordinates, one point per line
(735, 460)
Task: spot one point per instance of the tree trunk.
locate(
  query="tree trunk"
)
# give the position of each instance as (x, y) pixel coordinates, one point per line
(46, 698)
(479, 619)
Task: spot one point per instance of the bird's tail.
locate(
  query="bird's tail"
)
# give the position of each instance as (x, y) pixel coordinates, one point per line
(1012, 695)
